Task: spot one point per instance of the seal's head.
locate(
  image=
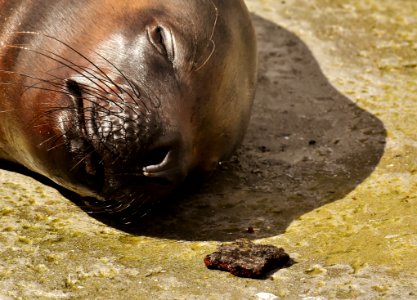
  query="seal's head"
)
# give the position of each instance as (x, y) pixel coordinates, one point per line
(122, 99)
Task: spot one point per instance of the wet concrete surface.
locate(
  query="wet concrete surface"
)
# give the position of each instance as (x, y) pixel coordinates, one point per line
(327, 171)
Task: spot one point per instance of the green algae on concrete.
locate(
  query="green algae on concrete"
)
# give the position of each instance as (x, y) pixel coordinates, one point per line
(368, 50)
(351, 238)
(374, 225)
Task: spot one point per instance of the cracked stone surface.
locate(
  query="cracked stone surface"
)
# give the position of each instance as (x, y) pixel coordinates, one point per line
(327, 171)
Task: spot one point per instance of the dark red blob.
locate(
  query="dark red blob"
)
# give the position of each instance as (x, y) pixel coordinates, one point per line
(246, 259)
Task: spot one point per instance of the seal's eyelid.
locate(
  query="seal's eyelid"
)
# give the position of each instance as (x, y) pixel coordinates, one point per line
(162, 40)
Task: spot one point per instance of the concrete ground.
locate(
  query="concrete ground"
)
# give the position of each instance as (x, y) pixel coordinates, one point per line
(327, 171)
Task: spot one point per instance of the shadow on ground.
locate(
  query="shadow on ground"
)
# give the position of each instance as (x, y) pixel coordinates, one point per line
(307, 145)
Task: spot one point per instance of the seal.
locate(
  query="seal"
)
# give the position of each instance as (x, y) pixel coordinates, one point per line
(121, 100)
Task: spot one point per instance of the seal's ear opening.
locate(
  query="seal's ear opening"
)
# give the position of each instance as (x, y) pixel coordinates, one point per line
(161, 38)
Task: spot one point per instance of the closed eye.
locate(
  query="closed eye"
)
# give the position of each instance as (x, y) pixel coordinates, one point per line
(162, 40)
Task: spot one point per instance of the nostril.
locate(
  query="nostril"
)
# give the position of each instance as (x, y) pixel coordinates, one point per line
(75, 92)
(73, 88)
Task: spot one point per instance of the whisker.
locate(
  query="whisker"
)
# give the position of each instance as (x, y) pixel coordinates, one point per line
(69, 94)
(158, 104)
(70, 67)
(27, 88)
(209, 56)
(81, 55)
(82, 159)
(69, 64)
(50, 139)
(211, 41)
(56, 146)
(134, 88)
(93, 89)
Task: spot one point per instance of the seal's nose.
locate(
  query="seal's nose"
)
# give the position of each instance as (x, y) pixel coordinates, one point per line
(166, 161)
